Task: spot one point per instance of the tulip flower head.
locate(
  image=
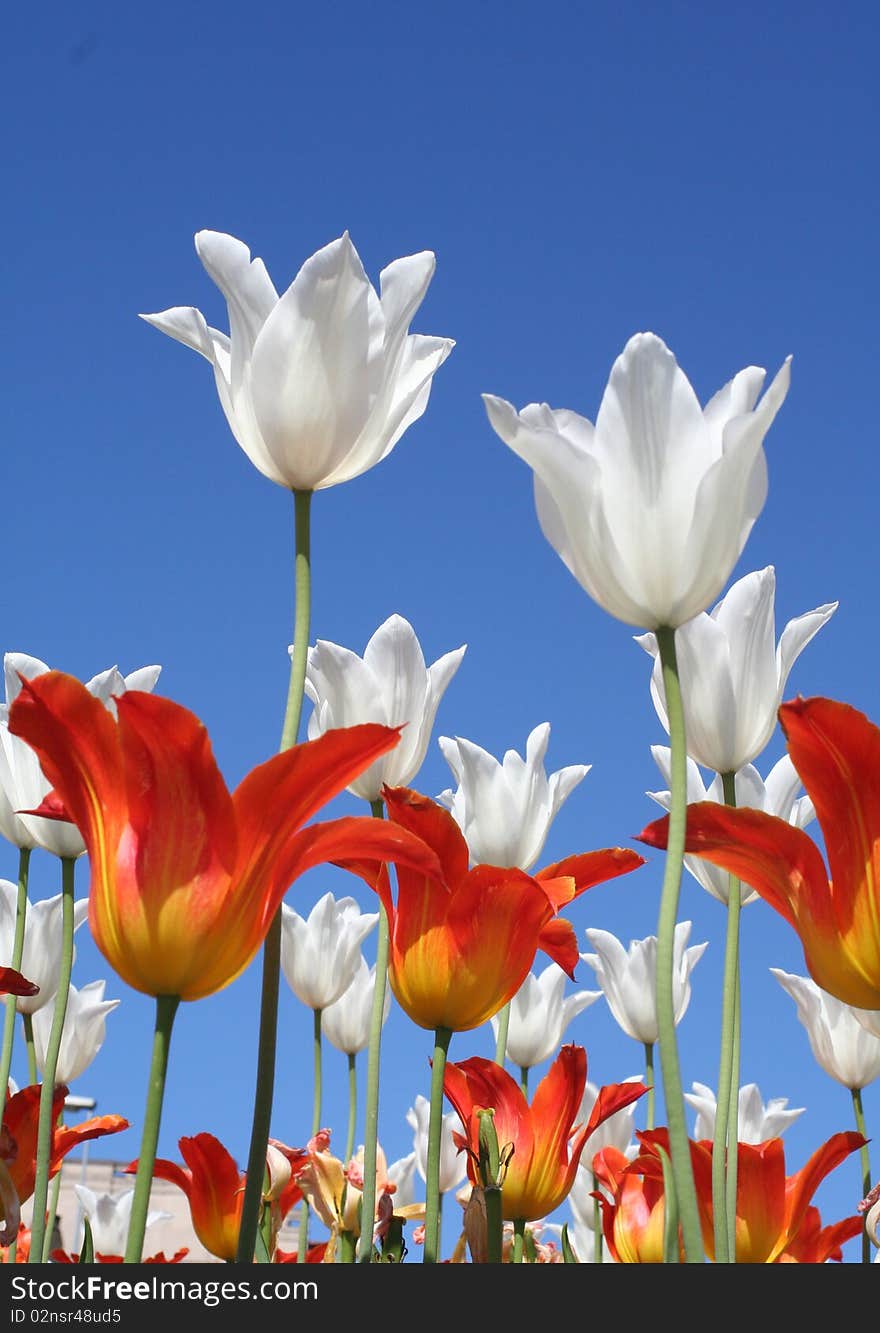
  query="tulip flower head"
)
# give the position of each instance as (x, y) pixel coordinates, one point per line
(41, 959)
(346, 1022)
(732, 672)
(319, 384)
(462, 942)
(320, 953)
(836, 751)
(628, 978)
(23, 785)
(187, 877)
(841, 1045)
(389, 684)
(18, 1149)
(778, 795)
(650, 508)
(539, 1016)
(82, 1035)
(547, 1138)
(505, 809)
(452, 1163)
(755, 1121)
(109, 1216)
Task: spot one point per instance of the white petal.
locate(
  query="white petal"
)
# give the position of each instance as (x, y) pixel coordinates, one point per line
(795, 637)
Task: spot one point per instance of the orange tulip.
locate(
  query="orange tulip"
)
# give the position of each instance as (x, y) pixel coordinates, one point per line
(836, 751)
(775, 1220)
(461, 944)
(634, 1217)
(547, 1140)
(187, 877)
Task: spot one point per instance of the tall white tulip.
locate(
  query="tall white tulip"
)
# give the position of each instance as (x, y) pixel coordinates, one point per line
(778, 795)
(109, 1216)
(650, 508)
(41, 958)
(320, 953)
(346, 1022)
(628, 978)
(539, 1015)
(389, 684)
(732, 672)
(319, 384)
(453, 1166)
(756, 1122)
(83, 1033)
(841, 1045)
(22, 785)
(505, 809)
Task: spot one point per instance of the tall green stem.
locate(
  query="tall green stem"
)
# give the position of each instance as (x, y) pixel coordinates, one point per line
(682, 1168)
(519, 1235)
(866, 1165)
(352, 1106)
(166, 1008)
(374, 1050)
(53, 1205)
(598, 1256)
(442, 1037)
(649, 1084)
(501, 1039)
(726, 1129)
(24, 857)
(524, 1081)
(494, 1225)
(46, 1122)
(268, 1038)
(303, 1239)
(27, 1023)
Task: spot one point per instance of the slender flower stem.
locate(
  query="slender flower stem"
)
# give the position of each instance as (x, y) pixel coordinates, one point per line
(346, 1247)
(524, 1081)
(501, 1039)
(733, 1129)
(431, 1255)
(166, 1008)
(682, 1168)
(24, 857)
(494, 1226)
(352, 1106)
(46, 1122)
(866, 1165)
(303, 1239)
(598, 1256)
(649, 1084)
(268, 1039)
(374, 1050)
(53, 1204)
(27, 1023)
(726, 1133)
(519, 1234)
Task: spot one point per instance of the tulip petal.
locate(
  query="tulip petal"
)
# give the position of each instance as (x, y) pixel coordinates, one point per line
(13, 983)
(801, 1187)
(434, 825)
(557, 939)
(250, 294)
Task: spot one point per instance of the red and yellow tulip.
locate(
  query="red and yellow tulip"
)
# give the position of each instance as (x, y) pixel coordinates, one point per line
(546, 1137)
(187, 877)
(634, 1216)
(462, 942)
(836, 751)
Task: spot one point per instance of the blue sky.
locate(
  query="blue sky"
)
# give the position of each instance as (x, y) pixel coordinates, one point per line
(582, 173)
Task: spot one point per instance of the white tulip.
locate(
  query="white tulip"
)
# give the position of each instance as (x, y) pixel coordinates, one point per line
(41, 959)
(389, 684)
(109, 1216)
(841, 1044)
(346, 1022)
(732, 673)
(505, 809)
(755, 1122)
(453, 1165)
(320, 954)
(539, 1016)
(319, 384)
(650, 508)
(83, 1033)
(775, 796)
(628, 978)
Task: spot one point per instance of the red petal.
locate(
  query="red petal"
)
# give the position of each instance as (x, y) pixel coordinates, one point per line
(559, 942)
(13, 983)
(434, 825)
(590, 868)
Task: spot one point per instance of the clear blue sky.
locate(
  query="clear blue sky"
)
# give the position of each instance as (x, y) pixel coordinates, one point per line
(582, 172)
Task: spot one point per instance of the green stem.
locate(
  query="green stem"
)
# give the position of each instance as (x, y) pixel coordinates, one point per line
(303, 1239)
(494, 1226)
(725, 1136)
(24, 857)
(47, 1117)
(374, 1050)
(733, 1128)
(519, 1233)
(268, 1037)
(649, 1084)
(53, 1204)
(501, 1039)
(347, 1246)
(352, 1106)
(524, 1081)
(27, 1023)
(598, 1257)
(866, 1165)
(682, 1168)
(166, 1008)
(431, 1255)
